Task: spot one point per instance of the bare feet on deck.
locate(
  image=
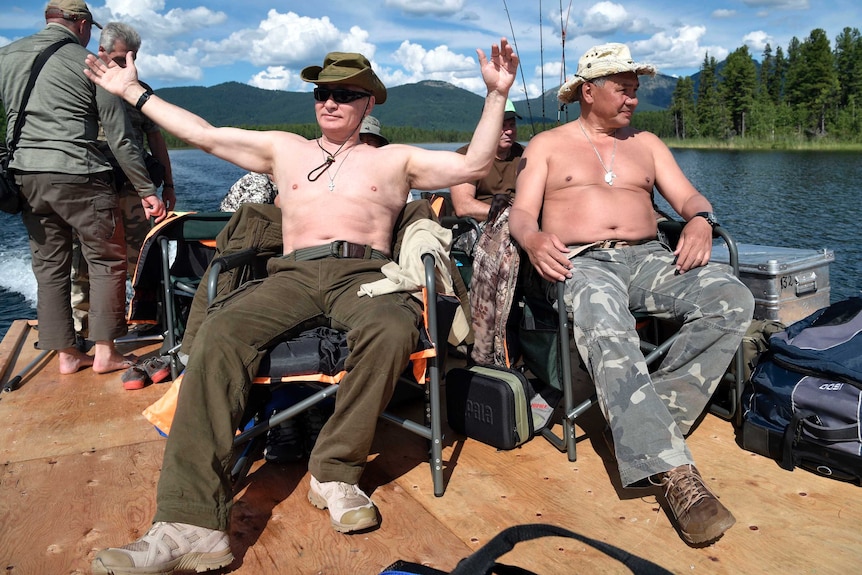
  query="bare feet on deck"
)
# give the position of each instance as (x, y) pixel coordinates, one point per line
(105, 360)
(72, 359)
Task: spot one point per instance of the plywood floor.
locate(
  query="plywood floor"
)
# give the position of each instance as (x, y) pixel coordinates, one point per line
(80, 466)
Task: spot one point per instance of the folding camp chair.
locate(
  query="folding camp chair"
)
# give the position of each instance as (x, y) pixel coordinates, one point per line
(463, 257)
(287, 363)
(174, 258)
(542, 318)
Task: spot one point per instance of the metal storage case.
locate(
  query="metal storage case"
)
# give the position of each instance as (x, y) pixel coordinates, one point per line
(788, 284)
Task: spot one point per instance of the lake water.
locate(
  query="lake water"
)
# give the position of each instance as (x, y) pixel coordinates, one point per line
(808, 200)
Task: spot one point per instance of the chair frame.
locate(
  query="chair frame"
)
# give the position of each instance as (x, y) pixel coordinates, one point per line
(173, 288)
(567, 442)
(432, 429)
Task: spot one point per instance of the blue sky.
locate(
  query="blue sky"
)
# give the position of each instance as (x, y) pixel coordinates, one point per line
(265, 43)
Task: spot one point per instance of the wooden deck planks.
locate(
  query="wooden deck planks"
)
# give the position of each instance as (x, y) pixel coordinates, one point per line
(81, 466)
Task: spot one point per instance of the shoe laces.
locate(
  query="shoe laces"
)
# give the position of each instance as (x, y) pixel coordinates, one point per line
(684, 486)
(157, 537)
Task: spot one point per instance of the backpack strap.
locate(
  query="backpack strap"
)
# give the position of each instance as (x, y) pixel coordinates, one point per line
(483, 561)
(34, 73)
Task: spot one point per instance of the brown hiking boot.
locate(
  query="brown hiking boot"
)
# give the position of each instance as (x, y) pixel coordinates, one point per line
(699, 514)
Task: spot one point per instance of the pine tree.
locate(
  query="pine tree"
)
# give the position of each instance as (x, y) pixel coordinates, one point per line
(738, 87)
(710, 113)
(812, 82)
(848, 64)
(682, 108)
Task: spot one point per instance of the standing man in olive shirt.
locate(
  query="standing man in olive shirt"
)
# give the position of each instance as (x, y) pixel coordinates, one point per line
(67, 183)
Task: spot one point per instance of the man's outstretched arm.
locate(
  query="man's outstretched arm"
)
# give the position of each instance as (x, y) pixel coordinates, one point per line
(247, 149)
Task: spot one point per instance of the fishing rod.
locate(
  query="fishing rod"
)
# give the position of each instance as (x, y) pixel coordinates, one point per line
(520, 65)
(542, 59)
(563, 26)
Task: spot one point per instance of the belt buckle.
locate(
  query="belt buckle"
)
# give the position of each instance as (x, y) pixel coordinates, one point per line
(338, 249)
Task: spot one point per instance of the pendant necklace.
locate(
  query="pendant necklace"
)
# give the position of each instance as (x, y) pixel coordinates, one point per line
(609, 171)
(329, 159)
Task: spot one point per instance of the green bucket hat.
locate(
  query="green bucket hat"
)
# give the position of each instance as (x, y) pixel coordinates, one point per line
(346, 68)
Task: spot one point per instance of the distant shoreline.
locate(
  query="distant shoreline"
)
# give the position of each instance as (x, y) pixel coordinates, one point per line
(765, 145)
(742, 144)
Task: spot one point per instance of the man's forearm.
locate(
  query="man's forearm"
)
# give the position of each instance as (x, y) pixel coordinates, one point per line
(486, 136)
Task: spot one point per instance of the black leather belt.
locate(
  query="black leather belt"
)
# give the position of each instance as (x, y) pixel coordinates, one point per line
(337, 249)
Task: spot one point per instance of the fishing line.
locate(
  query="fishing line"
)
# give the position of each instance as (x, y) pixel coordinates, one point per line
(542, 59)
(520, 65)
(564, 23)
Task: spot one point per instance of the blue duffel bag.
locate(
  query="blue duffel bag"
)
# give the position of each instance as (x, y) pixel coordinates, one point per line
(803, 403)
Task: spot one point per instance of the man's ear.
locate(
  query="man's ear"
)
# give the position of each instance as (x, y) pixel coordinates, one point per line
(587, 91)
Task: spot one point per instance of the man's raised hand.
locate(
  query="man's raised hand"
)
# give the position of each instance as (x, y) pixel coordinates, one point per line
(114, 78)
(500, 70)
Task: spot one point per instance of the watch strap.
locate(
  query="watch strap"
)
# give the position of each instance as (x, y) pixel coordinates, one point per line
(709, 217)
(143, 99)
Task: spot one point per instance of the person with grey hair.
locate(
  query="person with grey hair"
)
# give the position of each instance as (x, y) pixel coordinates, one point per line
(66, 183)
(116, 39)
(583, 213)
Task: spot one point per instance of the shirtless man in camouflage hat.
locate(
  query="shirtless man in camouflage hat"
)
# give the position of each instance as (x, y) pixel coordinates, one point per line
(592, 181)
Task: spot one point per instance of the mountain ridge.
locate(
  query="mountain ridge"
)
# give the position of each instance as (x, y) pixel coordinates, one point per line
(430, 104)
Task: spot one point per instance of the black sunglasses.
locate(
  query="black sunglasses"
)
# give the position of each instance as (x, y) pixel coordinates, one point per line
(339, 95)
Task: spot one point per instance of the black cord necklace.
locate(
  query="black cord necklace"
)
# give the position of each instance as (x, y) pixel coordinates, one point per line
(315, 174)
(329, 159)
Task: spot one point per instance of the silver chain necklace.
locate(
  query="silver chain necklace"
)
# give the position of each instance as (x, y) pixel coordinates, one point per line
(609, 171)
(329, 159)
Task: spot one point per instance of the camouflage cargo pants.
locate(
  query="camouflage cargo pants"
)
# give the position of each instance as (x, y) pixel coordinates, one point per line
(650, 414)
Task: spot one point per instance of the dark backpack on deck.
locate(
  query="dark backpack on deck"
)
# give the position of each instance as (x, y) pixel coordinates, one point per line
(803, 404)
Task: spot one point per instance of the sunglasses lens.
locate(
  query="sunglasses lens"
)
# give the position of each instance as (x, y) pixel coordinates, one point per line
(339, 95)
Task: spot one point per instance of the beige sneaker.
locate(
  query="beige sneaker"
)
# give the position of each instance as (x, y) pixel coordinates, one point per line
(167, 547)
(349, 508)
(699, 514)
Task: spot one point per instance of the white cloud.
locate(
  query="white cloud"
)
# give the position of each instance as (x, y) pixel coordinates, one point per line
(284, 40)
(682, 50)
(780, 4)
(277, 78)
(440, 63)
(723, 13)
(604, 18)
(426, 7)
(146, 16)
(166, 67)
(757, 41)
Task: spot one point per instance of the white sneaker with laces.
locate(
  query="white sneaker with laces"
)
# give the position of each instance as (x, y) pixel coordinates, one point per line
(349, 508)
(165, 548)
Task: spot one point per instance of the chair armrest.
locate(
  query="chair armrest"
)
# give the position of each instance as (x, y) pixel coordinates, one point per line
(225, 263)
(732, 249)
(673, 228)
(461, 224)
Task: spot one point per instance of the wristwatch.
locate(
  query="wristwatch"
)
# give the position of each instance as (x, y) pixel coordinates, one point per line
(709, 217)
(143, 99)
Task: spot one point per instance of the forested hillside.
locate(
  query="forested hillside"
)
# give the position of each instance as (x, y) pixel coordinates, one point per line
(806, 92)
